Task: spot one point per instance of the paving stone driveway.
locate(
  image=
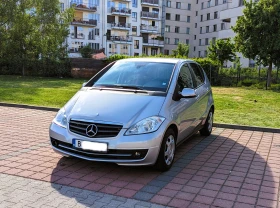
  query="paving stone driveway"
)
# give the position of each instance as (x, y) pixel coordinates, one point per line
(230, 168)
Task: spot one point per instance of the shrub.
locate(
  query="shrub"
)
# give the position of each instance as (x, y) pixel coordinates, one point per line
(86, 51)
(249, 82)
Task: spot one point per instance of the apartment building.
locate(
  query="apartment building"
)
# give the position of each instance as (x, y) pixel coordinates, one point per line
(130, 27)
(135, 27)
(207, 25)
(178, 23)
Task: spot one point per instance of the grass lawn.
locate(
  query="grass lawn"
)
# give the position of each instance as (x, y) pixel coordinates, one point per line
(243, 106)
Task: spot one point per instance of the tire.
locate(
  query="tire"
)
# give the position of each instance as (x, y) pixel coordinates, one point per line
(167, 151)
(207, 127)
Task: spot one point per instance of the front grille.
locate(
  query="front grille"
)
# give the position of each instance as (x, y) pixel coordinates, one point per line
(110, 154)
(104, 130)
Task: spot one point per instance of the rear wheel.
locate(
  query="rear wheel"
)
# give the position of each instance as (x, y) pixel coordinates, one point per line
(167, 151)
(207, 128)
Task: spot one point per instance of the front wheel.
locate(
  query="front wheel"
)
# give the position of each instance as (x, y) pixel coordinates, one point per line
(167, 151)
(207, 128)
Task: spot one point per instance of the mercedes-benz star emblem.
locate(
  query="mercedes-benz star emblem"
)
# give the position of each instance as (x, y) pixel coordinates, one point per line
(91, 130)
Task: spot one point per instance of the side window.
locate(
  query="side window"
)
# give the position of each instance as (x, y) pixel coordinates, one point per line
(185, 78)
(198, 74)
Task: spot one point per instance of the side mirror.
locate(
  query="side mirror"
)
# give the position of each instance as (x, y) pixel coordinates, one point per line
(188, 93)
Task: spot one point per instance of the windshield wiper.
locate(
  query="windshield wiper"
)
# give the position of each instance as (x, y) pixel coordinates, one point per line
(128, 87)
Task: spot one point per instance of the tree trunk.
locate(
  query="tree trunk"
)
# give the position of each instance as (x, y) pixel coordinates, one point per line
(269, 71)
(277, 74)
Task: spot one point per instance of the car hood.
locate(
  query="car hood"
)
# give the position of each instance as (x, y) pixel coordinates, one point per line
(125, 108)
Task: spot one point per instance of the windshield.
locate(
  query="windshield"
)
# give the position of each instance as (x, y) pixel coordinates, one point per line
(151, 76)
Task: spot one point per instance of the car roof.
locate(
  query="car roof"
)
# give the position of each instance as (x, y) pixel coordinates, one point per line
(159, 60)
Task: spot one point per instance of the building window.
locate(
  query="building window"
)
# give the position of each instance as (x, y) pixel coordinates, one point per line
(195, 25)
(167, 40)
(206, 41)
(241, 2)
(188, 30)
(61, 7)
(199, 54)
(202, 5)
(196, 13)
(187, 41)
(199, 42)
(167, 16)
(177, 29)
(189, 6)
(213, 40)
(168, 4)
(134, 30)
(94, 46)
(207, 29)
(166, 52)
(205, 54)
(208, 4)
(224, 1)
(167, 28)
(201, 18)
(194, 37)
(222, 26)
(215, 15)
(216, 2)
(134, 16)
(177, 17)
(200, 30)
(194, 48)
(214, 28)
(176, 41)
(208, 16)
(178, 5)
(136, 44)
(134, 3)
(188, 18)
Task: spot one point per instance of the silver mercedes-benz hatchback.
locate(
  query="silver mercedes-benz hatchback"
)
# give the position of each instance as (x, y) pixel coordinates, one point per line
(135, 112)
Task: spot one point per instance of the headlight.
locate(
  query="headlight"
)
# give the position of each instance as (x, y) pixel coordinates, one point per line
(60, 118)
(147, 125)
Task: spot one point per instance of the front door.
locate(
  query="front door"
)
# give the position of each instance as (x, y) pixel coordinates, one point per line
(185, 108)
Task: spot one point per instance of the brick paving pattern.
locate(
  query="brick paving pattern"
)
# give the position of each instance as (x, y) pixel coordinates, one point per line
(230, 168)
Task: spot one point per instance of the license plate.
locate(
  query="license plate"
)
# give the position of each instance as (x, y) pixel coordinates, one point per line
(94, 146)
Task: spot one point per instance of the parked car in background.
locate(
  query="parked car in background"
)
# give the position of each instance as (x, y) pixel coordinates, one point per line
(135, 112)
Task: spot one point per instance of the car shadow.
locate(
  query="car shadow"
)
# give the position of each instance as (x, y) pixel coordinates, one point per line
(225, 167)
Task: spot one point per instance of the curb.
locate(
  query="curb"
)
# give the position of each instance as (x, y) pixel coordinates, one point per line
(249, 128)
(219, 125)
(29, 107)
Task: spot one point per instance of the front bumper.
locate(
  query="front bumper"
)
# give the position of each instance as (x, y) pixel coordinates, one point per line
(133, 150)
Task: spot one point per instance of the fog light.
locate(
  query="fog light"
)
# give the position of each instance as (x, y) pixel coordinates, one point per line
(137, 154)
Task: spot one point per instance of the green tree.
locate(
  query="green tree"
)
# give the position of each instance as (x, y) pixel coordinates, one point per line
(181, 50)
(86, 51)
(220, 51)
(258, 31)
(35, 30)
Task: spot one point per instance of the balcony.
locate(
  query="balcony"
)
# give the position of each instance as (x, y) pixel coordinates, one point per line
(153, 42)
(120, 39)
(84, 22)
(150, 2)
(84, 7)
(119, 26)
(149, 29)
(120, 11)
(77, 36)
(149, 15)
